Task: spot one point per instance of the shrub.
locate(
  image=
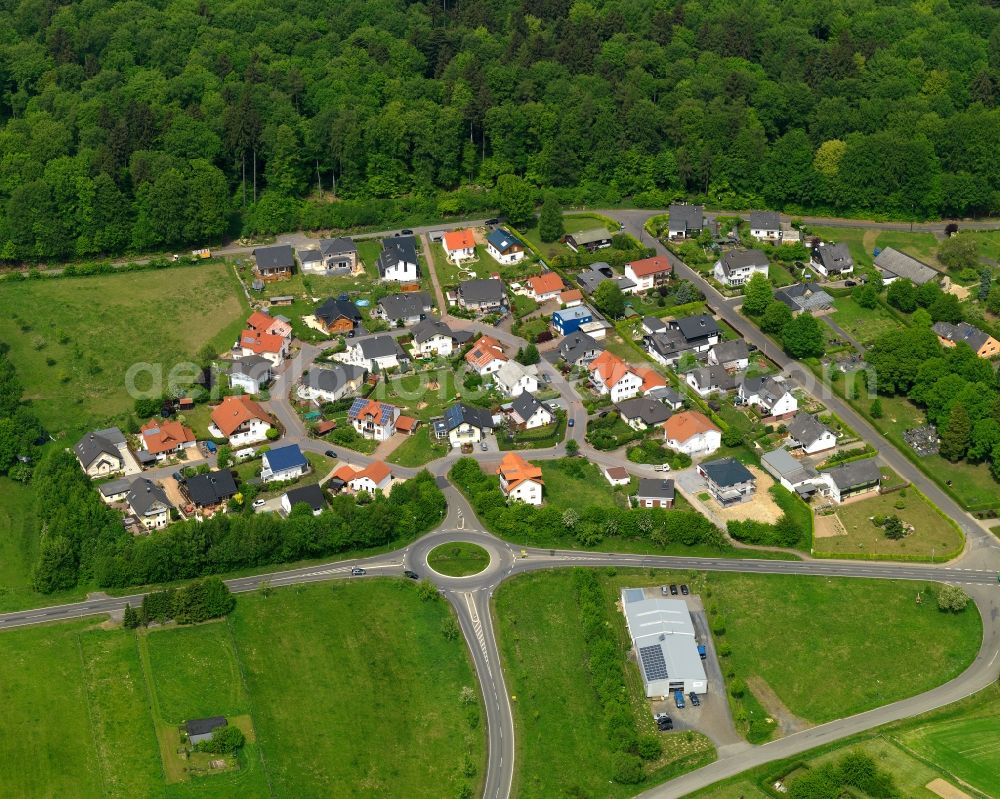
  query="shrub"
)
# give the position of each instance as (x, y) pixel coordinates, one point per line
(737, 688)
(627, 769)
(952, 599)
(224, 741)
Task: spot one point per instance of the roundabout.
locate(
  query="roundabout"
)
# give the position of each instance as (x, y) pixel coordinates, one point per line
(458, 559)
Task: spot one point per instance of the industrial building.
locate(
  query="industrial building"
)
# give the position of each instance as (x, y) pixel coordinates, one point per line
(662, 633)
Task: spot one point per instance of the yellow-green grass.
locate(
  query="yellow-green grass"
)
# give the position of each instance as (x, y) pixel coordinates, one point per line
(780, 275)
(865, 324)
(862, 242)
(933, 534)
(18, 538)
(571, 224)
(93, 329)
(422, 394)
(458, 559)
(450, 274)
(420, 448)
(562, 746)
(564, 489)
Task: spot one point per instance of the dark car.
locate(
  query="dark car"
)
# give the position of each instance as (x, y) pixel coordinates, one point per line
(406, 232)
(850, 283)
(695, 701)
(664, 724)
(493, 221)
(178, 477)
(684, 589)
(357, 571)
(571, 422)
(331, 453)
(673, 590)
(411, 574)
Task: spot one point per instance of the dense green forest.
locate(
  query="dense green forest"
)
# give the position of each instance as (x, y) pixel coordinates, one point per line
(146, 123)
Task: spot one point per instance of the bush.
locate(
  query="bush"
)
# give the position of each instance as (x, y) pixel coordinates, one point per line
(649, 747)
(737, 688)
(627, 769)
(226, 740)
(952, 599)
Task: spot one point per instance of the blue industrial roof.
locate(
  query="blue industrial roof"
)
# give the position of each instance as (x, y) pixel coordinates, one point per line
(287, 457)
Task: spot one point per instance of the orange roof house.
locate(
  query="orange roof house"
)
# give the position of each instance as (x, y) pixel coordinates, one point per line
(166, 436)
(407, 424)
(377, 472)
(459, 240)
(646, 267)
(687, 424)
(571, 296)
(650, 378)
(515, 470)
(259, 343)
(610, 367)
(234, 412)
(260, 322)
(548, 283)
(484, 352)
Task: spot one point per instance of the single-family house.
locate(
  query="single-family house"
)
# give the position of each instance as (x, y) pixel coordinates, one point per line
(251, 374)
(374, 477)
(568, 320)
(527, 413)
(544, 287)
(685, 221)
(466, 424)
(240, 420)
(766, 226)
(769, 395)
(486, 355)
(728, 481)
(102, 452)
(164, 438)
(588, 240)
(283, 463)
(209, 492)
(485, 295)
(148, 502)
(792, 473)
(653, 324)
(275, 262)
(373, 419)
(692, 433)
(114, 490)
(807, 432)
(330, 383)
(730, 355)
(309, 261)
(262, 322)
(648, 273)
(337, 316)
(407, 308)
(982, 343)
(398, 260)
(520, 480)
(654, 492)
(667, 347)
(338, 256)
(570, 297)
(736, 267)
(266, 345)
(617, 475)
(701, 332)
(848, 480)
(459, 245)
(832, 260)
(376, 353)
(432, 337)
(804, 298)
(640, 413)
(610, 375)
(670, 397)
(504, 247)
(893, 264)
(579, 349)
(310, 495)
(512, 378)
(652, 381)
(711, 380)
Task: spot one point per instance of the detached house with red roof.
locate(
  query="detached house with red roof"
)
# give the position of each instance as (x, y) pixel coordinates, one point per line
(267, 345)
(609, 374)
(240, 420)
(166, 438)
(545, 287)
(260, 322)
(459, 245)
(692, 433)
(648, 273)
(372, 478)
(373, 419)
(486, 356)
(520, 480)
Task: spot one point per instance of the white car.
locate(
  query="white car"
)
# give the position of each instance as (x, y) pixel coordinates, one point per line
(259, 503)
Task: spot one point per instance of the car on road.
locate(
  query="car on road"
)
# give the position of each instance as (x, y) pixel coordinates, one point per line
(406, 231)
(571, 422)
(259, 503)
(493, 221)
(695, 701)
(483, 446)
(331, 453)
(662, 467)
(411, 574)
(178, 477)
(684, 589)
(673, 589)
(679, 699)
(357, 571)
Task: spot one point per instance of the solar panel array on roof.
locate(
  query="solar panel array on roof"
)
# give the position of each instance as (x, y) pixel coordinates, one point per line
(356, 407)
(653, 663)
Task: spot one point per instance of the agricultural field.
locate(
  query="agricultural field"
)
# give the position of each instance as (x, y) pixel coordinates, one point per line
(294, 670)
(73, 340)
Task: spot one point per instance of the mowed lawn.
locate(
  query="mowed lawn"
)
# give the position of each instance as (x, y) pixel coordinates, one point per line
(564, 488)
(965, 747)
(863, 241)
(865, 324)
(422, 394)
(74, 339)
(18, 539)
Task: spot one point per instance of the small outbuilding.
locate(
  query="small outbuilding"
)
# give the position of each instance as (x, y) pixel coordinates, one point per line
(199, 730)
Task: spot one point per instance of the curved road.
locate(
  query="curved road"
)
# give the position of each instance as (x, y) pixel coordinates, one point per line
(470, 597)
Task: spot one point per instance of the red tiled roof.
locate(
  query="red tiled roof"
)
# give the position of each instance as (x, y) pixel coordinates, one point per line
(406, 423)
(164, 436)
(515, 470)
(459, 240)
(546, 284)
(650, 378)
(610, 367)
(261, 342)
(234, 411)
(651, 266)
(571, 296)
(485, 349)
(687, 424)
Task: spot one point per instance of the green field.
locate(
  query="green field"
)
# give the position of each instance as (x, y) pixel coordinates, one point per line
(419, 449)
(458, 559)
(73, 340)
(18, 538)
(421, 395)
(964, 747)
(83, 706)
(571, 224)
(863, 241)
(865, 324)
(564, 489)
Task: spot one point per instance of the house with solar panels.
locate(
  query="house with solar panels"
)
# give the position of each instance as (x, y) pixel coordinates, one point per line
(373, 419)
(666, 648)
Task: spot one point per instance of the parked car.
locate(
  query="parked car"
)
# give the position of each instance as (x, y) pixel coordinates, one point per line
(679, 699)
(673, 590)
(664, 590)
(178, 477)
(357, 571)
(406, 232)
(411, 574)
(571, 422)
(210, 446)
(482, 446)
(684, 589)
(331, 453)
(259, 503)
(493, 221)
(850, 283)
(695, 701)
(663, 722)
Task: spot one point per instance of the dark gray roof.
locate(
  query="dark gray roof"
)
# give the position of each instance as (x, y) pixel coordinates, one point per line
(312, 495)
(525, 405)
(727, 472)
(714, 376)
(92, 445)
(733, 350)
(204, 726)
(668, 343)
(395, 250)
(803, 297)
(144, 493)
(333, 308)
(481, 290)
(211, 488)
(647, 410)
(590, 279)
(338, 246)
(806, 428)
(655, 488)
(666, 394)
(278, 256)
(309, 256)
(739, 259)
(765, 220)
(766, 387)
(113, 487)
(902, 265)
(858, 473)
(654, 324)
(576, 345)
(380, 347)
(406, 305)
(253, 366)
(332, 379)
(696, 327)
(963, 331)
(458, 413)
(684, 217)
(426, 329)
(834, 257)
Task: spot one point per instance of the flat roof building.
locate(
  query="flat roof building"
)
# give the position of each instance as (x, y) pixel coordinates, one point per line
(666, 649)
